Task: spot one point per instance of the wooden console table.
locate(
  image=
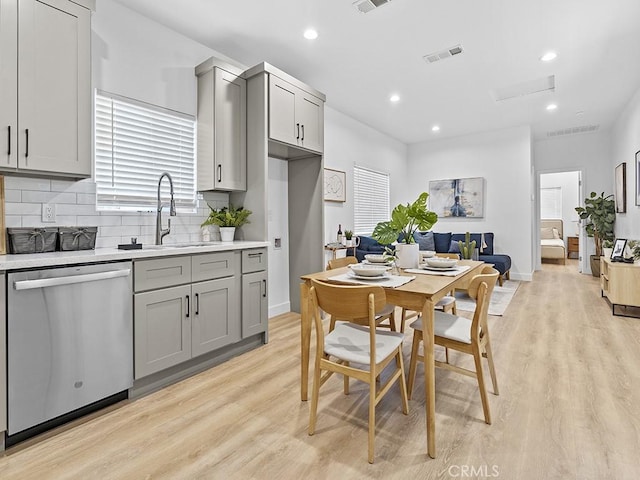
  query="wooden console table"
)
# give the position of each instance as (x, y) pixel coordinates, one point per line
(334, 250)
(620, 283)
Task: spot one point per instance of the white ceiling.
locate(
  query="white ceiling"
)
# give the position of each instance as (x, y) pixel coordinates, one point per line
(359, 60)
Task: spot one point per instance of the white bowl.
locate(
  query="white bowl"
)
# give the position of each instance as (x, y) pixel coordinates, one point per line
(368, 270)
(424, 254)
(438, 262)
(377, 258)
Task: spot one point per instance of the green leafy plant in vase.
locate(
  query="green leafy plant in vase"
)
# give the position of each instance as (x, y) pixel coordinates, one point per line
(599, 212)
(228, 219)
(405, 221)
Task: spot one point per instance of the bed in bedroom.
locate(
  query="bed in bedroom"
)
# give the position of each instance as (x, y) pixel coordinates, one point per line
(552, 245)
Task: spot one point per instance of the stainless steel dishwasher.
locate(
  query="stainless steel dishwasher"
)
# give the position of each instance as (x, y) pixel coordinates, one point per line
(69, 339)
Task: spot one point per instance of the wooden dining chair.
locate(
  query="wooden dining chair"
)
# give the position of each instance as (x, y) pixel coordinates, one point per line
(446, 303)
(387, 313)
(354, 343)
(464, 335)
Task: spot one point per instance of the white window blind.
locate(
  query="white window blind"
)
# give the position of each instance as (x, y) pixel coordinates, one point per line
(551, 202)
(134, 144)
(370, 198)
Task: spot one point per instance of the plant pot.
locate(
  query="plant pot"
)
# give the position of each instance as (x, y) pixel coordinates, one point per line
(349, 243)
(408, 255)
(227, 233)
(606, 252)
(594, 261)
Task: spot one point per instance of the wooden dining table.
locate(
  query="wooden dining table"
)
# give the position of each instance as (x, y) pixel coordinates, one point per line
(420, 294)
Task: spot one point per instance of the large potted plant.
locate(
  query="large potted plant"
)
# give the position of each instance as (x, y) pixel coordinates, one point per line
(405, 221)
(599, 214)
(228, 219)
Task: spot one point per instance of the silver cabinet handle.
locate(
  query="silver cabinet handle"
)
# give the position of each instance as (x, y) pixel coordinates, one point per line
(298, 134)
(302, 133)
(70, 280)
(197, 304)
(264, 283)
(188, 306)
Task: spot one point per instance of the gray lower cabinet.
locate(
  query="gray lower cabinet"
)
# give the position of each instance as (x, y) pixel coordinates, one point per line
(173, 324)
(254, 292)
(3, 360)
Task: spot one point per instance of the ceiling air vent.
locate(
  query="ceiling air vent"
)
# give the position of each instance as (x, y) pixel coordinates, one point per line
(441, 55)
(365, 6)
(573, 130)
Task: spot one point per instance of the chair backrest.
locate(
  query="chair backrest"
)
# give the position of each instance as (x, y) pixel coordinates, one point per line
(349, 303)
(341, 262)
(481, 289)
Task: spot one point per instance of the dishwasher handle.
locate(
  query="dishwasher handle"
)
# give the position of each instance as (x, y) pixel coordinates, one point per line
(70, 280)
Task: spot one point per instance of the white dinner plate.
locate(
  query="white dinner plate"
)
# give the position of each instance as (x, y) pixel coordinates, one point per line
(363, 277)
(382, 264)
(437, 269)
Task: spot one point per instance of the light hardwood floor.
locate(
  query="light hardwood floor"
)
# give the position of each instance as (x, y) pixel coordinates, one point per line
(569, 408)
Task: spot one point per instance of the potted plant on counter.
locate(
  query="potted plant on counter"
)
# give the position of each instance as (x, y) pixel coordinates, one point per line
(228, 219)
(405, 221)
(599, 213)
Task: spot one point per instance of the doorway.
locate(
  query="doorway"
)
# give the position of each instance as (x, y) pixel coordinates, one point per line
(559, 195)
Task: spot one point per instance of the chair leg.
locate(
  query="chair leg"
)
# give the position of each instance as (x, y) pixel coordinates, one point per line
(500, 279)
(477, 357)
(313, 411)
(392, 321)
(402, 383)
(332, 323)
(403, 319)
(492, 368)
(346, 380)
(446, 355)
(417, 338)
(372, 420)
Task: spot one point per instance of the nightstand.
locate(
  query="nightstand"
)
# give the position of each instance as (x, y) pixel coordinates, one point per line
(573, 246)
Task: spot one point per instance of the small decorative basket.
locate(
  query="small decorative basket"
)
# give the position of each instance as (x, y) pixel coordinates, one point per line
(77, 238)
(32, 240)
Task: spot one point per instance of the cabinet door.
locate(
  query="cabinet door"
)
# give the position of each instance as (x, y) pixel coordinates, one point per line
(216, 315)
(310, 115)
(282, 111)
(3, 358)
(230, 131)
(8, 83)
(254, 303)
(162, 329)
(54, 94)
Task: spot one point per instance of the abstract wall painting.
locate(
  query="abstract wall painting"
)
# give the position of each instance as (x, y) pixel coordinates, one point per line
(460, 197)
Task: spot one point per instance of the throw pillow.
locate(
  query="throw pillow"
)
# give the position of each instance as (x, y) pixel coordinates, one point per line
(454, 247)
(556, 233)
(425, 240)
(546, 233)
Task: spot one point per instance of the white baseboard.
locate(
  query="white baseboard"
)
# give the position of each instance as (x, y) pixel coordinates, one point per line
(284, 307)
(525, 277)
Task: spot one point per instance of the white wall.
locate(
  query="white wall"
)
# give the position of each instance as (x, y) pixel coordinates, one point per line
(626, 142)
(503, 159)
(348, 142)
(278, 227)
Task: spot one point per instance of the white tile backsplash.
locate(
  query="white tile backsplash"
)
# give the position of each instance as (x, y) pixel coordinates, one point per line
(75, 206)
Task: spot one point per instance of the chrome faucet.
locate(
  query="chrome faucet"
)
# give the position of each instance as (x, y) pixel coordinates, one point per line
(160, 232)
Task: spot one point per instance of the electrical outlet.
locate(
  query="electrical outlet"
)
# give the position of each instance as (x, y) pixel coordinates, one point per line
(48, 212)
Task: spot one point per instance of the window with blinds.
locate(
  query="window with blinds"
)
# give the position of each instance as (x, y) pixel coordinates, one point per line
(134, 144)
(551, 202)
(370, 198)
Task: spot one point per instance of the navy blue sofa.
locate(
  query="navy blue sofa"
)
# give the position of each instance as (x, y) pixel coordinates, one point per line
(447, 243)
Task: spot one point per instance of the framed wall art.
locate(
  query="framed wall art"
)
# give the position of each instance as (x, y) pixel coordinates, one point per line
(638, 177)
(459, 197)
(335, 185)
(621, 188)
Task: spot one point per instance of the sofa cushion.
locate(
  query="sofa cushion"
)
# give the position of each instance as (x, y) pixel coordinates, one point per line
(478, 237)
(502, 263)
(425, 240)
(454, 247)
(442, 241)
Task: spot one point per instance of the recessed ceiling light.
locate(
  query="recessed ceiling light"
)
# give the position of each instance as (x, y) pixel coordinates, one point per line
(552, 106)
(547, 57)
(435, 128)
(310, 34)
(394, 98)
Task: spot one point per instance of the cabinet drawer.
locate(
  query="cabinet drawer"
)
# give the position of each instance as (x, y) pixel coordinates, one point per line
(212, 265)
(254, 260)
(161, 272)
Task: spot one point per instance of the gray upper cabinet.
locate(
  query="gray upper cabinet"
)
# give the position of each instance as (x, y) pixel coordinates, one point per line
(45, 79)
(222, 129)
(296, 117)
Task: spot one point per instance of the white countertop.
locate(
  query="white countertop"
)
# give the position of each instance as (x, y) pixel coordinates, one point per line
(36, 260)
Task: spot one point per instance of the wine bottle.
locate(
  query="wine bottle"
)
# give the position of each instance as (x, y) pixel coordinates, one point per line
(339, 233)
